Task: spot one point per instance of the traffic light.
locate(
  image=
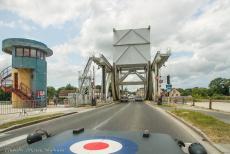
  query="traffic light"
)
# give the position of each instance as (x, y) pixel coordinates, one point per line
(168, 79)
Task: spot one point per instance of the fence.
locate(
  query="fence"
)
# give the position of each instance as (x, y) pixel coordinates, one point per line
(178, 100)
(9, 107)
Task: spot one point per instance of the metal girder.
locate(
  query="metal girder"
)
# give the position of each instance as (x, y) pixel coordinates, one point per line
(140, 76)
(122, 73)
(132, 66)
(124, 76)
(132, 83)
(102, 61)
(160, 59)
(84, 75)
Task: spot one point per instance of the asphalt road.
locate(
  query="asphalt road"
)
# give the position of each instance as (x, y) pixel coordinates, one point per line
(134, 116)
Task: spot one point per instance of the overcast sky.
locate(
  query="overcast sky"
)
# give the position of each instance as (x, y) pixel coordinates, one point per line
(197, 31)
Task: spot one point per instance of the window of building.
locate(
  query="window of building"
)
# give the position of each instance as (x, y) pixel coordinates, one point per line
(38, 53)
(26, 52)
(44, 56)
(33, 53)
(41, 55)
(19, 51)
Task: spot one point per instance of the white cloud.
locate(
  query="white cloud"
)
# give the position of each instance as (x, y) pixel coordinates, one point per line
(5, 61)
(199, 27)
(10, 24)
(45, 12)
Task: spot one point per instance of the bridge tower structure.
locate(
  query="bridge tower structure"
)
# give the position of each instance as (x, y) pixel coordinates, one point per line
(131, 56)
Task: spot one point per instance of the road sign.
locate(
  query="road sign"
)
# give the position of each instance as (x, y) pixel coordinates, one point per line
(168, 87)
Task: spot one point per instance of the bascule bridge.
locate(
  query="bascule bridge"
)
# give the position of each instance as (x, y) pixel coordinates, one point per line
(131, 56)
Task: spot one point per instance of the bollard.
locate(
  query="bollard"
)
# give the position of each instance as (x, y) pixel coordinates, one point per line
(193, 102)
(210, 103)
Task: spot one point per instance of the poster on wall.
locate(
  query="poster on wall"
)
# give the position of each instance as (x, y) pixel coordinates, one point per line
(40, 93)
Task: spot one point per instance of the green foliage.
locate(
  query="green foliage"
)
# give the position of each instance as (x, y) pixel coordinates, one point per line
(185, 92)
(218, 131)
(220, 86)
(67, 87)
(51, 92)
(200, 92)
(4, 96)
(70, 87)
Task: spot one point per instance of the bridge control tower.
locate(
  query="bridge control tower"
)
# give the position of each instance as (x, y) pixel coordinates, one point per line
(26, 79)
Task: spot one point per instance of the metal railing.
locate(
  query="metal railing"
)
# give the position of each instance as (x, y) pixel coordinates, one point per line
(9, 107)
(25, 89)
(5, 73)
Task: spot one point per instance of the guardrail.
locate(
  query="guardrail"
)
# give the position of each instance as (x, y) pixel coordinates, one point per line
(9, 107)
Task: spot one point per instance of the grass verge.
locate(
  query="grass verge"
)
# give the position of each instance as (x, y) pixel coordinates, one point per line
(27, 120)
(216, 130)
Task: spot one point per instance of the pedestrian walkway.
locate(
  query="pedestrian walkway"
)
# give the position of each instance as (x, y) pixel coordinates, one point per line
(221, 106)
(45, 111)
(222, 116)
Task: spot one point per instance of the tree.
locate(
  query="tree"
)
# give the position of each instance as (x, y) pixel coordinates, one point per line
(70, 87)
(185, 92)
(200, 92)
(220, 86)
(51, 92)
(4, 96)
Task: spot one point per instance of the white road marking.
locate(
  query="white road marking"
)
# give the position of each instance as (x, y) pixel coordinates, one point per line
(111, 117)
(12, 140)
(2, 135)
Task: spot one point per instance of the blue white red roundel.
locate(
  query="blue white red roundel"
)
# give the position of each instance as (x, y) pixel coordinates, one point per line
(97, 145)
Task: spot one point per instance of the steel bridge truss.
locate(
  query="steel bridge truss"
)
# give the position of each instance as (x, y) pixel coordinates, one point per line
(131, 57)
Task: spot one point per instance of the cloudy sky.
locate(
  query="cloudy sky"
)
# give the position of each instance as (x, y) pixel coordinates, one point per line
(197, 32)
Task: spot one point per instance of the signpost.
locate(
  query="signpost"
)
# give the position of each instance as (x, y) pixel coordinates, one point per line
(168, 87)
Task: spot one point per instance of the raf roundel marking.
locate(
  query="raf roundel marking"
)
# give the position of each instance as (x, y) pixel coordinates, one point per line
(96, 146)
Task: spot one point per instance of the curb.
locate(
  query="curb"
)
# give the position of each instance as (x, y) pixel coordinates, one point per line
(34, 122)
(46, 119)
(196, 130)
(215, 110)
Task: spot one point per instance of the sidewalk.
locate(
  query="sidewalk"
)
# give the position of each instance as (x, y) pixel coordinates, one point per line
(221, 106)
(50, 110)
(222, 116)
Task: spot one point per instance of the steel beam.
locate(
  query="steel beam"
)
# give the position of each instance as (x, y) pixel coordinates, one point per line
(103, 82)
(132, 83)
